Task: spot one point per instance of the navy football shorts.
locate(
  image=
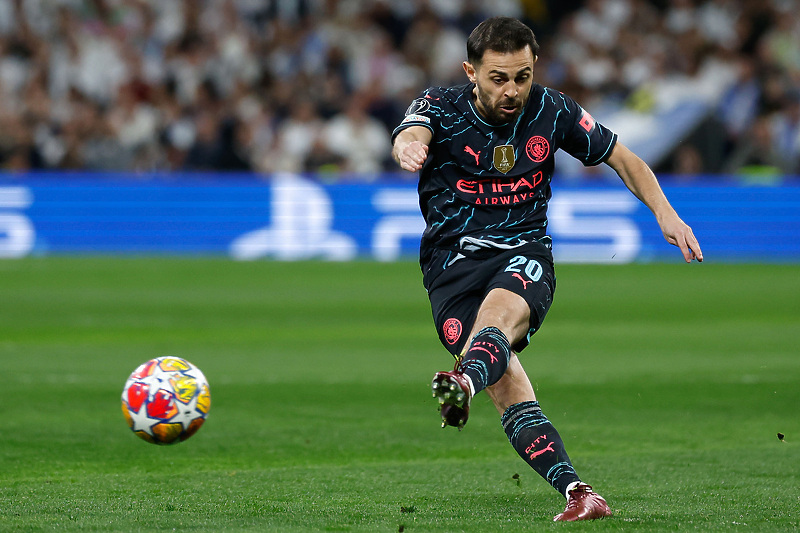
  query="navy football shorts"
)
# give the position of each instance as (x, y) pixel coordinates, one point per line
(458, 290)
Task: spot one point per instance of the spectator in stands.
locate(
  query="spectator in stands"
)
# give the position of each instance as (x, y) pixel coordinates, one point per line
(740, 103)
(296, 138)
(757, 154)
(785, 127)
(360, 140)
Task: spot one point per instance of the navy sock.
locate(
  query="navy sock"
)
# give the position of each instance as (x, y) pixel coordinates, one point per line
(539, 444)
(486, 358)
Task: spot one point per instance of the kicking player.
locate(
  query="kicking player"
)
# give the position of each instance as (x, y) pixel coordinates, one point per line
(485, 156)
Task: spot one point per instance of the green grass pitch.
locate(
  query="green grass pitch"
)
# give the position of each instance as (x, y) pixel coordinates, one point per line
(668, 382)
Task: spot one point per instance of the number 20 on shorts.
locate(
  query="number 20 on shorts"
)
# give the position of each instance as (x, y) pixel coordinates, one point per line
(533, 269)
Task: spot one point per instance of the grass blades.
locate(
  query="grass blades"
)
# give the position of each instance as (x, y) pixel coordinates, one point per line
(669, 384)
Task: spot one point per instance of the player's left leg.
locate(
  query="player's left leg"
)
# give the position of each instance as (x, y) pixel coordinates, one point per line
(528, 429)
(536, 440)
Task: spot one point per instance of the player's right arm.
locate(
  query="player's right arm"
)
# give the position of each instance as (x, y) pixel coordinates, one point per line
(410, 148)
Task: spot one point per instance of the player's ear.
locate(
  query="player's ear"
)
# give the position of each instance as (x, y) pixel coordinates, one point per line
(470, 70)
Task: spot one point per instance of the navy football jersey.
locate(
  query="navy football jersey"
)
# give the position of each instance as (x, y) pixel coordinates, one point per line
(486, 187)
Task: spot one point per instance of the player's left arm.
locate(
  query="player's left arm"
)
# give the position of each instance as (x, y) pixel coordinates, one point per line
(641, 181)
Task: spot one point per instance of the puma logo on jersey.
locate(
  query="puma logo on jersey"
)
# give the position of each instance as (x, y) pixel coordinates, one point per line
(471, 152)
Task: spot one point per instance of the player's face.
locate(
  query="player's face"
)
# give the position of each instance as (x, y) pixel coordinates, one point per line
(502, 84)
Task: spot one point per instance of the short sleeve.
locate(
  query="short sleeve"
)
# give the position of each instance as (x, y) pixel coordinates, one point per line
(424, 111)
(585, 139)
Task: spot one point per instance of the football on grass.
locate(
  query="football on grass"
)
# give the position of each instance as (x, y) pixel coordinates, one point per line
(166, 400)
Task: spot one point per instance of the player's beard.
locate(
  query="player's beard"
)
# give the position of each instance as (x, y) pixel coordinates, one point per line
(494, 113)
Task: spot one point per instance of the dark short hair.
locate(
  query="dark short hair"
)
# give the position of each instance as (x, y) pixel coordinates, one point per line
(500, 34)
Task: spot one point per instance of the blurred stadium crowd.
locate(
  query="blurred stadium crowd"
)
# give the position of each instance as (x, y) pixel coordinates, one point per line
(318, 85)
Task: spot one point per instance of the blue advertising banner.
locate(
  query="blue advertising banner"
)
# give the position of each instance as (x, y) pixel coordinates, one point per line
(289, 217)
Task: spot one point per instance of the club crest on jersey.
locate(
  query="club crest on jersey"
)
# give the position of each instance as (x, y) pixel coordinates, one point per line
(504, 158)
(537, 148)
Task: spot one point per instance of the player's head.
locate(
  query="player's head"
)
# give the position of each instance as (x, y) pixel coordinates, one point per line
(501, 53)
(500, 34)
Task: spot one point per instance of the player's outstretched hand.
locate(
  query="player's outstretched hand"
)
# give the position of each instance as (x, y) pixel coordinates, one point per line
(677, 232)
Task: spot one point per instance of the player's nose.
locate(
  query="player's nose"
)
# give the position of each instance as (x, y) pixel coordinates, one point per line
(511, 90)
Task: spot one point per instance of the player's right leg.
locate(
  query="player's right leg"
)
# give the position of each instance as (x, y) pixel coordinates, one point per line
(485, 359)
(482, 364)
(454, 392)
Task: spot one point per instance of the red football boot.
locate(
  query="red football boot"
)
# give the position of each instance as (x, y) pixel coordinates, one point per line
(453, 391)
(583, 504)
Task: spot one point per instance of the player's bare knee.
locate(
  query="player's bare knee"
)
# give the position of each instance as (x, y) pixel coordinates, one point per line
(506, 311)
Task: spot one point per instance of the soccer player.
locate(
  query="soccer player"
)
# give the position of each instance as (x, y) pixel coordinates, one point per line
(485, 156)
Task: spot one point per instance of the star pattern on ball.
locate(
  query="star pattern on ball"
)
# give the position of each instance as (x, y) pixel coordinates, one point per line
(142, 421)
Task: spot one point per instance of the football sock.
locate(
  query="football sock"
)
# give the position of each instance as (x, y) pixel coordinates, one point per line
(486, 358)
(539, 444)
(570, 487)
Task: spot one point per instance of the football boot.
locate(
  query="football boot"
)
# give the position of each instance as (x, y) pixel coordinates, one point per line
(453, 392)
(583, 504)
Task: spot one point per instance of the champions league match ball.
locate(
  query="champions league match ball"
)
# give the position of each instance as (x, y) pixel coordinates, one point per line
(166, 400)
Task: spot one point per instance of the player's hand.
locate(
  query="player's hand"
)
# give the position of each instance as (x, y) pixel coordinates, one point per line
(412, 156)
(678, 233)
